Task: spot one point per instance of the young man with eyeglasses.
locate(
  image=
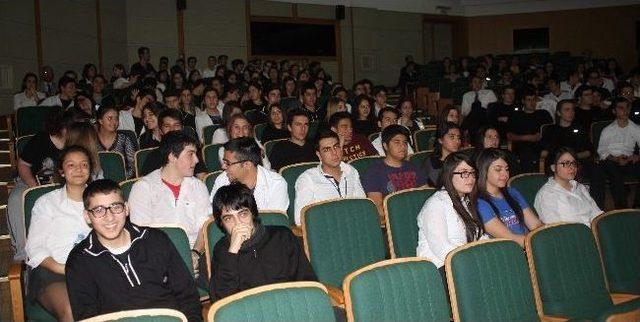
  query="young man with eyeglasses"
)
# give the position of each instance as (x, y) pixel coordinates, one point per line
(250, 254)
(241, 162)
(332, 178)
(171, 195)
(122, 266)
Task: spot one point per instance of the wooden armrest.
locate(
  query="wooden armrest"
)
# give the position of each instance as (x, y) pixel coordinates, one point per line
(336, 295)
(509, 145)
(551, 318)
(624, 317)
(542, 162)
(618, 298)
(296, 230)
(205, 310)
(15, 285)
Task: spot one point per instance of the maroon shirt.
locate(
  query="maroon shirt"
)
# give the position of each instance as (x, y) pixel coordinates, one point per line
(358, 147)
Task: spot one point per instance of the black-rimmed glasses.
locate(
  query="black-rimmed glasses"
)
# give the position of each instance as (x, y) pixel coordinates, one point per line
(101, 211)
(465, 174)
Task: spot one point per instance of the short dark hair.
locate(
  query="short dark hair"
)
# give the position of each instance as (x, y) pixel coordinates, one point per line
(296, 112)
(169, 112)
(619, 100)
(171, 92)
(234, 196)
(581, 89)
(256, 85)
(387, 110)
(324, 134)
(306, 86)
(64, 80)
(377, 89)
(173, 143)
(246, 148)
(337, 117)
(102, 186)
(141, 50)
(392, 130)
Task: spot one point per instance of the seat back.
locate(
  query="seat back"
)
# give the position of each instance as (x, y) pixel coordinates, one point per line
(617, 234)
(566, 271)
(419, 158)
(112, 164)
(290, 174)
(258, 130)
(406, 289)
(126, 186)
(210, 179)
(144, 315)
(31, 119)
(268, 146)
(489, 281)
(596, 130)
(340, 236)
(293, 301)
(21, 143)
(207, 132)
(140, 158)
(29, 198)
(211, 157)
(274, 218)
(528, 185)
(401, 210)
(180, 241)
(363, 164)
(424, 139)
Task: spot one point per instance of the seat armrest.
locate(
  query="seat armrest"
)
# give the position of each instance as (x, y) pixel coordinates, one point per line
(296, 230)
(551, 318)
(618, 298)
(15, 285)
(336, 295)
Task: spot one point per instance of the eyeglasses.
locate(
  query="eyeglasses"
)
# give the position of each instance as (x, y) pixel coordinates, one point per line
(226, 163)
(101, 211)
(465, 174)
(566, 164)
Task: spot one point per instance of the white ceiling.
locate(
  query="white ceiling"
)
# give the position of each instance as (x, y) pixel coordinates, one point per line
(472, 8)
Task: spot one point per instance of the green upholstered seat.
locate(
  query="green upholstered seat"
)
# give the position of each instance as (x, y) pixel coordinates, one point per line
(419, 158)
(341, 236)
(268, 146)
(424, 139)
(258, 130)
(295, 301)
(211, 157)
(210, 179)
(618, 237)
(207, 132)
(140, 158)
(112, 164)
(363, 164)
(275, 218)
(568, 272)
(290, 174)
(489, 281)
(407, 289)
(144, 315)
(126, 187)
(31, 119)
(401, 212)
(528, 185)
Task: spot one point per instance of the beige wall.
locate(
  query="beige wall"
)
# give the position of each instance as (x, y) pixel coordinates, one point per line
(606, 32)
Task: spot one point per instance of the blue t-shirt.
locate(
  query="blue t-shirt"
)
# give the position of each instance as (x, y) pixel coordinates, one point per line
(507, 215)
(385, 179)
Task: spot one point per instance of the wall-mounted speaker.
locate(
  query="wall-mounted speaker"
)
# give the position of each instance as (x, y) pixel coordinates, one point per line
(181, 4)
(339, 12)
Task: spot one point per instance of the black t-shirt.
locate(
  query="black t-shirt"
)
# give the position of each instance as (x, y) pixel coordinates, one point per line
(523, 123)
(271, 133)
(65, 103)
(42, 155)
(584, 118)
(147, 140)
(498, 110)
(573, 136)
(144, 71)
(365, 127)
(286, 152)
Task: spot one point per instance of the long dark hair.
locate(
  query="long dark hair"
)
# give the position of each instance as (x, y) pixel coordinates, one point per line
(469, 216)
(486, 157)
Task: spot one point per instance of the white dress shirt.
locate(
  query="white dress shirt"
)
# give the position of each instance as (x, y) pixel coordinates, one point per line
(556, 204)
(616, 140)
(485, 96)
(54, 101)
(220, 136)
(270, 191)
(126, 121)
(57, 225)
(315, 185)
(203, 120)
(151, 202)
(208, 73)
(566, 87)
(440, 228)
(21, 100)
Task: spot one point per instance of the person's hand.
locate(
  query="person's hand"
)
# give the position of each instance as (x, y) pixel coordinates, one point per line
(134, 93)
(239, 235)
(195, 261)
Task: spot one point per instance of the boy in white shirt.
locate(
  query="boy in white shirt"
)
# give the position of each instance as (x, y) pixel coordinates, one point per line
(331, 179)
(616, 150)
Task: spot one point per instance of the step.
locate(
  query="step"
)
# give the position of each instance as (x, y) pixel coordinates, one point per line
(6, 173)
(4, 227)
(5, 299)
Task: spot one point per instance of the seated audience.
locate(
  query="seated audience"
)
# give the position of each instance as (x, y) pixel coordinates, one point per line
(171, 195)
(121, 266)
(130, 117)
(393, 173)
(57, 225)
(616, 151)
(477, 93)
(240, 127)
(354, 145)
(562, 198)
(626, 90)
(187, 107)
(210, 112)
(251, 254)
(449, 113)
(35, 166)
(503, 210)
(332, 178)
(586, 113)
(449, 217)
(29, 94)
(241, 163)
(66, 93)
(363, 117)
(309, 99)
(380, 99)
(407, 118)
(449, 140)
(276, 127)
(297, 148)
(152, 135)
(255, 102)
(524, 132)
(110, 139)
(499, 113)
(221, 135)
(387, 116)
